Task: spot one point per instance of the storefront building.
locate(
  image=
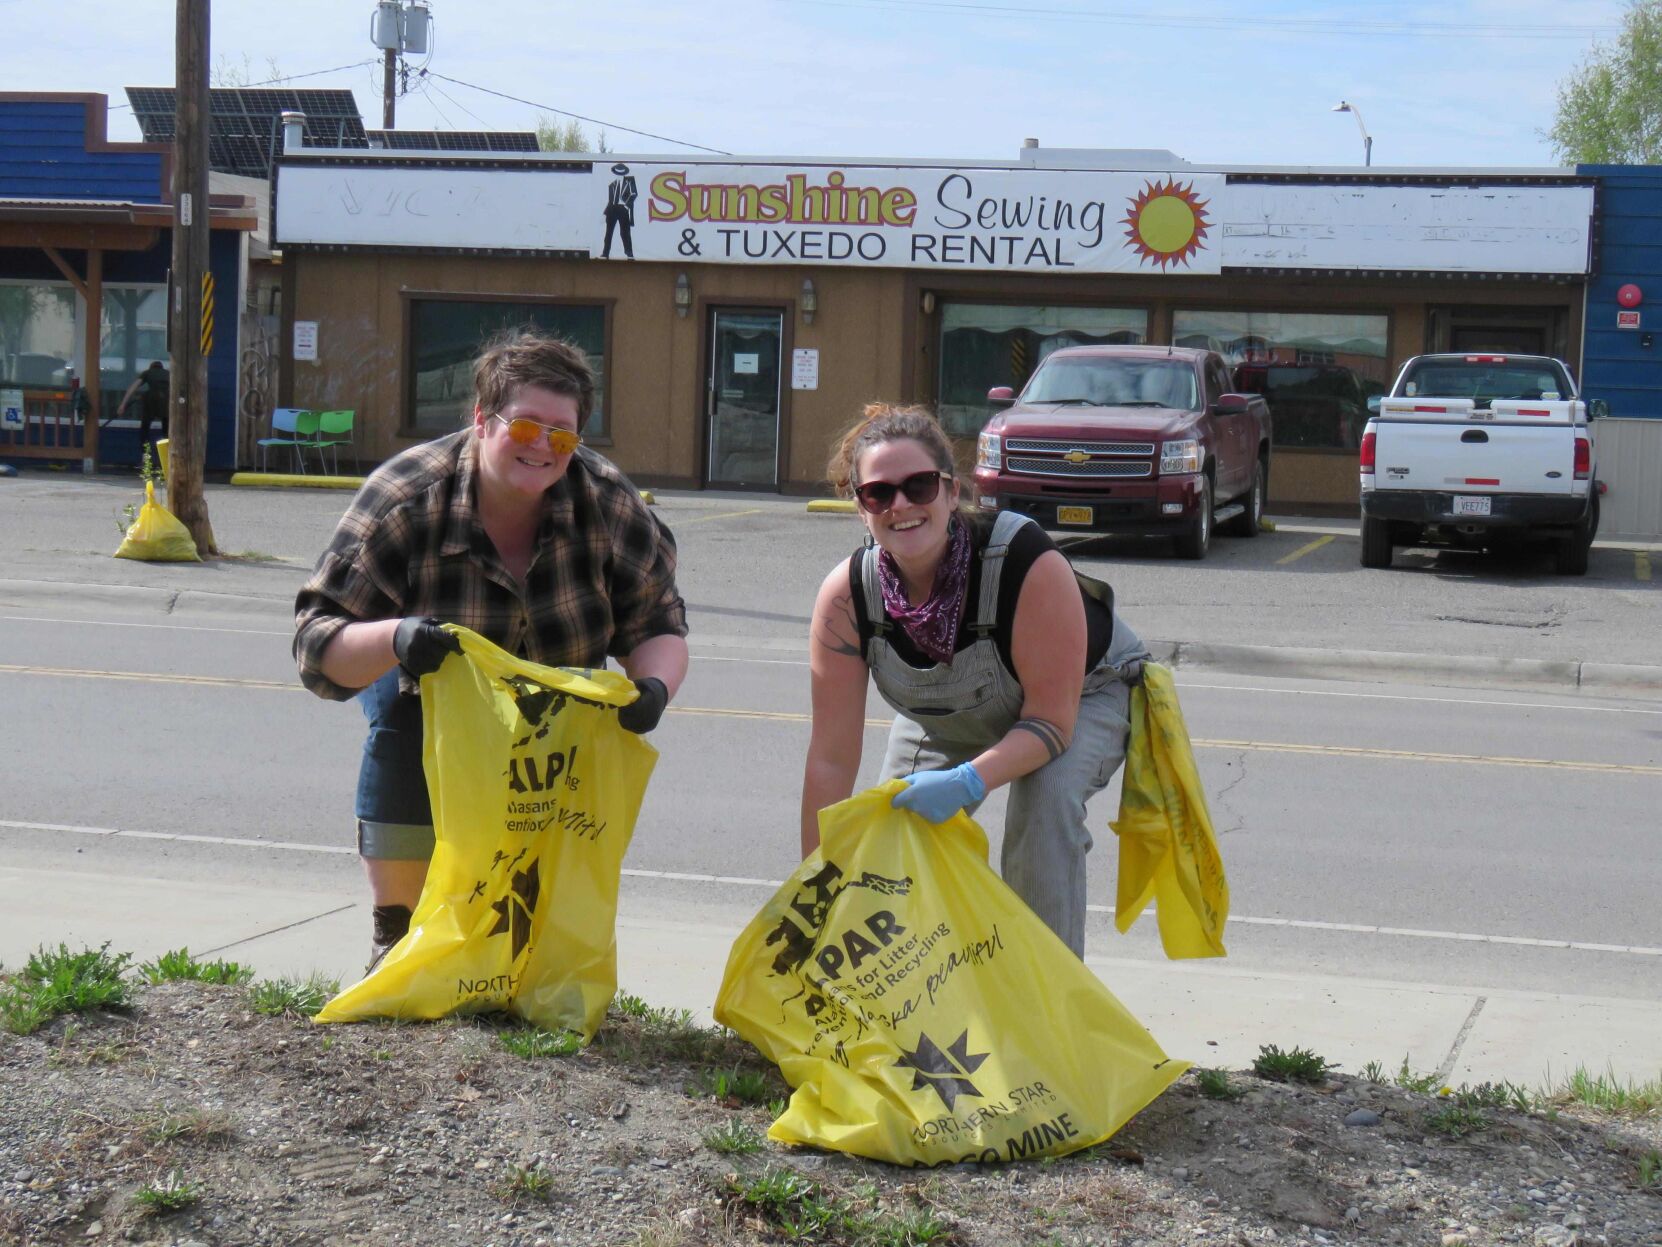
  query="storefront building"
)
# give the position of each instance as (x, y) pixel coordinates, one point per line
(742, 312)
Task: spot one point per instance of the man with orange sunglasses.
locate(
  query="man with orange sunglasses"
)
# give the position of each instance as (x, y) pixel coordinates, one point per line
(510, 527)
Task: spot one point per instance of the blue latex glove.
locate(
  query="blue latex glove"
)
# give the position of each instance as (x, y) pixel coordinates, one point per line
(937, 795)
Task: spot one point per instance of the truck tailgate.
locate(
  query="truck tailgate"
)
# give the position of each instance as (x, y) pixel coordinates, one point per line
(1485, 458)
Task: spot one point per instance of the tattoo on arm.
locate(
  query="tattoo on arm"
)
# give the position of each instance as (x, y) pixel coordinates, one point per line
(1046, 731)
(835, 629)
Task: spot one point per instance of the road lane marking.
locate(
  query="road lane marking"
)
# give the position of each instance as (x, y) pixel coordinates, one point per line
(1299, 553)
(674, 876)
(1641, 565)
(789, 716)
(1449, 701)
(121, 623)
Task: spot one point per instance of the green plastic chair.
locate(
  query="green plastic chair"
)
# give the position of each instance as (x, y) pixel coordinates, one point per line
(331, 426)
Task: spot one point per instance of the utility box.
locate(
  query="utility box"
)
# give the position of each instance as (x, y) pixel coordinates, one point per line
(384, 24)
(418, 23)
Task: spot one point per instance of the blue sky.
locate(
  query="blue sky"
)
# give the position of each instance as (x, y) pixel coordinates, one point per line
(1464, 82)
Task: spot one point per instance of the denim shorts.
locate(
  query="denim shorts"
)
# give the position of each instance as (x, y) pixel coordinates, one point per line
(395, 819)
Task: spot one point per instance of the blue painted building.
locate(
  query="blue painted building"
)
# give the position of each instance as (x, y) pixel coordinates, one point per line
(1623, 366)
(85, 248)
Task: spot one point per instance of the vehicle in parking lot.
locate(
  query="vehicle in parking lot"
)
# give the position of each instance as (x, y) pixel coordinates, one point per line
(1145, 440)
(1476, 451)
(1321, 405)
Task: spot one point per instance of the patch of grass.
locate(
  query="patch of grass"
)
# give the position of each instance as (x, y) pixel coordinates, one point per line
(294, 997)
(776, 1108)
(1501, 1094)
(1215, 1085)
(527, 1184)
(647, 1035)
(917, 1227)
(734, 1138)
(169, 1194)
(532, 1043)
(1456, 1121)
(1607, 1093)
(651, 1016)
(1649, 1170)
(1296, 1065)
(251, 556)
(805, 1211)
(1374, 1071)
(1408, 1080)
(202, 1125)
(55, 982)
(745, 1086)
(179, 966)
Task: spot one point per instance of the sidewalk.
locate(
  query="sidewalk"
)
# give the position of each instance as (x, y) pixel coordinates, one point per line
(1206, 1012)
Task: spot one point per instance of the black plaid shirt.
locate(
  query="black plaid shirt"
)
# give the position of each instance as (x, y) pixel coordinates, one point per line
(602, 576)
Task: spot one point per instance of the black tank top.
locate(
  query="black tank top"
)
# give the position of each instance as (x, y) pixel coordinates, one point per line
(1026, 546)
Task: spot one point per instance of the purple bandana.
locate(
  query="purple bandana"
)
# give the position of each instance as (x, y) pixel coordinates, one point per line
(933, 625)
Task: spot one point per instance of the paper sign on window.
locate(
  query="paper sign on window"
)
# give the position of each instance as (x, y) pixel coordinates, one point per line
(746, 365)
(305, 339)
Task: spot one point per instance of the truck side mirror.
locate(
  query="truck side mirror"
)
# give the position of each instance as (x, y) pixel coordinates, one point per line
(1000, 397)
(1373, 403)
(1598, 409)
(1231, 404)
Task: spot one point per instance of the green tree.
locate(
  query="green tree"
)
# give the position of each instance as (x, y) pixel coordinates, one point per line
(566, 136)
(1610, 110)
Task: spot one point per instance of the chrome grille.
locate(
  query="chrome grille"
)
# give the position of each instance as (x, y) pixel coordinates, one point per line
(1091, 467)
(1016, 445)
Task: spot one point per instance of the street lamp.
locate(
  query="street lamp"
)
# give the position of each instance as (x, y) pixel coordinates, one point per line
(1345, 106)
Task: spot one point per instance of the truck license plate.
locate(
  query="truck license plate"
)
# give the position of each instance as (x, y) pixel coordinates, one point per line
(1465, 504)
(1082, 515)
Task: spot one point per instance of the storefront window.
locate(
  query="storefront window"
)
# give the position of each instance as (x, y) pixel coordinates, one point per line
(1314, 369)
(447, 334)
(134, 333)
(988, 344)
(37, 334)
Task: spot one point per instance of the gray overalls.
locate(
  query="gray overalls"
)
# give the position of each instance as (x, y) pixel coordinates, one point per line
(949, 713)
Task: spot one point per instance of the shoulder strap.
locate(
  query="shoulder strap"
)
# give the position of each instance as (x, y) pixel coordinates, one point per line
(867, 597)
(992, 568)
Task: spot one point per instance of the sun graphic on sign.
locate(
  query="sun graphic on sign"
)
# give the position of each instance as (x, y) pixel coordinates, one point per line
(1167, 223)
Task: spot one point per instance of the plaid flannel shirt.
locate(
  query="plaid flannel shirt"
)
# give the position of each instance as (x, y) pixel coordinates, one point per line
(601, 581)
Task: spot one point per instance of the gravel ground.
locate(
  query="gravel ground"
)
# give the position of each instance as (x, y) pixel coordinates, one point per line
(273, 1130)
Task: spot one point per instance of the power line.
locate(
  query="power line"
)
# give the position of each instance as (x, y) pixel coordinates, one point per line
(593, 121)
(316, 73)
(1278, 25)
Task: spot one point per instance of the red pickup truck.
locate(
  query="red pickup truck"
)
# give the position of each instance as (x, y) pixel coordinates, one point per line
(1142, 440)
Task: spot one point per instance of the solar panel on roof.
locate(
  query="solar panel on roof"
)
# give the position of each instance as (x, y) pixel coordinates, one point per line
(454, 140)
(246, 123)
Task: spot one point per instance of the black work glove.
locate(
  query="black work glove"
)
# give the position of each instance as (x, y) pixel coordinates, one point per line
(421, 644)
(641, 715)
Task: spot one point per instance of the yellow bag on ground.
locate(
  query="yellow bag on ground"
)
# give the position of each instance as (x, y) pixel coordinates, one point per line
(1168, 853)
(924, 1014)
(156, 535)
(535, 789)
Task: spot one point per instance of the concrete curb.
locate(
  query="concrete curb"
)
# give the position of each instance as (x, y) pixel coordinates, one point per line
(830, 506)
(281, 480)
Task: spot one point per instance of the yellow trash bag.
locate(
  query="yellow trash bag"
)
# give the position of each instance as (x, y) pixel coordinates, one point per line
(156, 535)
(535, 789)
(1168, 853)
(924, 1014)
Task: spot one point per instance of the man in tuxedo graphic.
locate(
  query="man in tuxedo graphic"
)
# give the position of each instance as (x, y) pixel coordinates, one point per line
(620, 211)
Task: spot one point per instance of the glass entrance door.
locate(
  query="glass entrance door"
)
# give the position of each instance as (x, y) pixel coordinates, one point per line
(742, 399)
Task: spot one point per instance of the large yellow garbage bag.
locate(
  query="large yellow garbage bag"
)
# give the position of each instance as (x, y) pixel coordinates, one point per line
(156, 535)
(1168, 853)
(922, 1011)
(535, 789)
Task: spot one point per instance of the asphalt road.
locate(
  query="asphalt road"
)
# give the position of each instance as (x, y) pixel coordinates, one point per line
(1500, 838)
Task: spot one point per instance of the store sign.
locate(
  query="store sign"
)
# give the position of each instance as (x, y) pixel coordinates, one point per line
(305, 340)
(934, 218)
(1627, 320)
(805, 369)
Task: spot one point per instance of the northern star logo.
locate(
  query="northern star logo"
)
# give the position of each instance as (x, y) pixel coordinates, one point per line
(945, 1073)
(513, 911)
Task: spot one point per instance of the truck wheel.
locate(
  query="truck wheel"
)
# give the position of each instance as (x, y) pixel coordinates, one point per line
(1570, 557)
(1376, 543)
(1246, 524)
(1197, 540)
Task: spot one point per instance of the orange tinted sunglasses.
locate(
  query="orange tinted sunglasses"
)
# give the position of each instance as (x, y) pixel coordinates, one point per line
(529, 433)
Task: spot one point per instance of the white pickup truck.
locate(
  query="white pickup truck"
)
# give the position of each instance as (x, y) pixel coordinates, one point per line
(1480, 450)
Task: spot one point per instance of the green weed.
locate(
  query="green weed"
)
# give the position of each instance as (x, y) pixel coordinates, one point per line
(1215, 1085)
(169, 1194)
(637, 1010)
(1297, 1065)
(803, 1210)
(1408, 1080)
(528, 1184)
(201, 1125)
(1494, 1095)
(179, 966)
(1374, 1071)
(1649, 1175)
(745, 1086)
(735, 1138)
(532, 1043)
(1607, 1092)
(298, 997)
(58, 982)
(1456, 1121)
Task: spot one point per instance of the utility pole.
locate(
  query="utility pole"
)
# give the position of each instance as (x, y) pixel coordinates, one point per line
(389, 88)
(191, 316)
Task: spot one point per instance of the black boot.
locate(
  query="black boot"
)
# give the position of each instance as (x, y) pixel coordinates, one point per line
(392, 923)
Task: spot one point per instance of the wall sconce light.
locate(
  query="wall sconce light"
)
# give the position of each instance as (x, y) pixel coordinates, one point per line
(809, 301)
(683, 294)
(928, 302)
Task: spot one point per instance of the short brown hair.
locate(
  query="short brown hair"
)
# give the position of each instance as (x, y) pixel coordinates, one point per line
(887, 422)
(517, 358)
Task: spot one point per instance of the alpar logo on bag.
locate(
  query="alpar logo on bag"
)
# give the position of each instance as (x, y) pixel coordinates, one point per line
(538, 776)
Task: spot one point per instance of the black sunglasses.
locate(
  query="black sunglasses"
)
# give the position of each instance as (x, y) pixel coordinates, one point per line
(920, 488)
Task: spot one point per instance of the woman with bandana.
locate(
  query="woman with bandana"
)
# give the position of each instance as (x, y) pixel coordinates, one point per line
(1003, 665)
